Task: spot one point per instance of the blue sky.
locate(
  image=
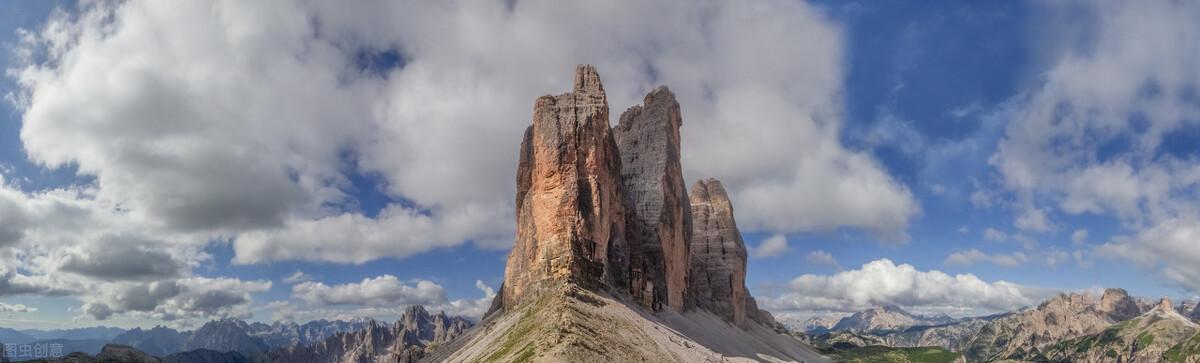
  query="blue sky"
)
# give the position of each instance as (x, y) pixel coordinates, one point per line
(1004, 150)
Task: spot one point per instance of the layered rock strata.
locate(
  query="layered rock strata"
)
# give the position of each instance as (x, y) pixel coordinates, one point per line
(607, 209)
(718, 254)
(569, 211)
(659, 221)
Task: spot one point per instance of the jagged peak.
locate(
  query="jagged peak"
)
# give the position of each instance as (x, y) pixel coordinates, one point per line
(708, 190)
(415, 310)
(1164, 304)
(587, 80)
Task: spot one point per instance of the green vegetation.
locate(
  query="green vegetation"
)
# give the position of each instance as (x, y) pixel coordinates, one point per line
(518, 338)
(1145, 339)
(1180, 352)
(877, 353)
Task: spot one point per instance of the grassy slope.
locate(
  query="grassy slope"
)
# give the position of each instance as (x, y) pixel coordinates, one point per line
(876, 353)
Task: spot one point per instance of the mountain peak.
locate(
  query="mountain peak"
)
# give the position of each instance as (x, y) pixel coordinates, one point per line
(606, 226)
(587, 80)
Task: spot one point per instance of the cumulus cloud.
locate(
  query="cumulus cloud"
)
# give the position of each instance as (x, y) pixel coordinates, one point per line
(1110, 86)
(821, 258)
(395, 232)
(884, 282)
(973, 256)
(259, 147)
(1033, 220)
(296, 277)
(992, 234)
(1079, 236)
(15, 308)
(382, 296)
(1169, 247)
(187, 298)
(1114, 85)
(772, 246)
(385, 290)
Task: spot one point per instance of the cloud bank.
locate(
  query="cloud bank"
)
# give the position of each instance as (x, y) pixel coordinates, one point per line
(882, 282)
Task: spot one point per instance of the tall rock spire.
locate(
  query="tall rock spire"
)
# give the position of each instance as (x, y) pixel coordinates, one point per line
(569, 206)
(718, 281)
(660, 221)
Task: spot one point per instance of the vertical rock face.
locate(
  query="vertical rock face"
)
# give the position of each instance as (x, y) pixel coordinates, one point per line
(607, 209)
(659, 218)
(569, 210)
(718, 254)
(1165, 305)
(1118, 305)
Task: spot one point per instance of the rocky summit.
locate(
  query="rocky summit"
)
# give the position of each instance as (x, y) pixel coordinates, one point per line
(718, 254)
(654, 192)
(614, 260)
(569, 206)
(607, 209)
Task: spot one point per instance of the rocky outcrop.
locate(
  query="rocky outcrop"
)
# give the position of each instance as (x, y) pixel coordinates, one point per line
(408, 340)
(819, 324)
(718, 254)
(760, 316)
(1119, 305)
(1164, 304)
(159, 341)
(887, 317)
(659, 219)
(569, 207)
(1021, 336)
(607, 235)
(1156, 336)
(226, 335)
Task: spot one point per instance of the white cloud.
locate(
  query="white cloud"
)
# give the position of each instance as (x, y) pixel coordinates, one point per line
(296, 277)
(16, 308)
(772, 246)
(1114, 79)
(193, 298)
(1113, 82)
(200, 118)
(821, 258)
(1079, 236)
(385, 290)
(991, 234)
(1169, 247)
(380, 297)
(973, 256)
(883, 282)
(72, 242)
(1033, 220)
(395, 232)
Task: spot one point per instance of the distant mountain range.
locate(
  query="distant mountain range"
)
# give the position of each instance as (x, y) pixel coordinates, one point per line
(14, 336)
(1066, 328)
(233, 340)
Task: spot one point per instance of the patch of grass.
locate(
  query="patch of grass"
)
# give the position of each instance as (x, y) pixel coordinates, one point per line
(1183, 350)
(1145, 339)
(875, 353)
(518, 338)
(526, 355)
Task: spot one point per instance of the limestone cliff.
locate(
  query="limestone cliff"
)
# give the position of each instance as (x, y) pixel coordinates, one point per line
(659, 216)
(1119, 305)
(569, 210)
(718, 281)
(610, 244)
